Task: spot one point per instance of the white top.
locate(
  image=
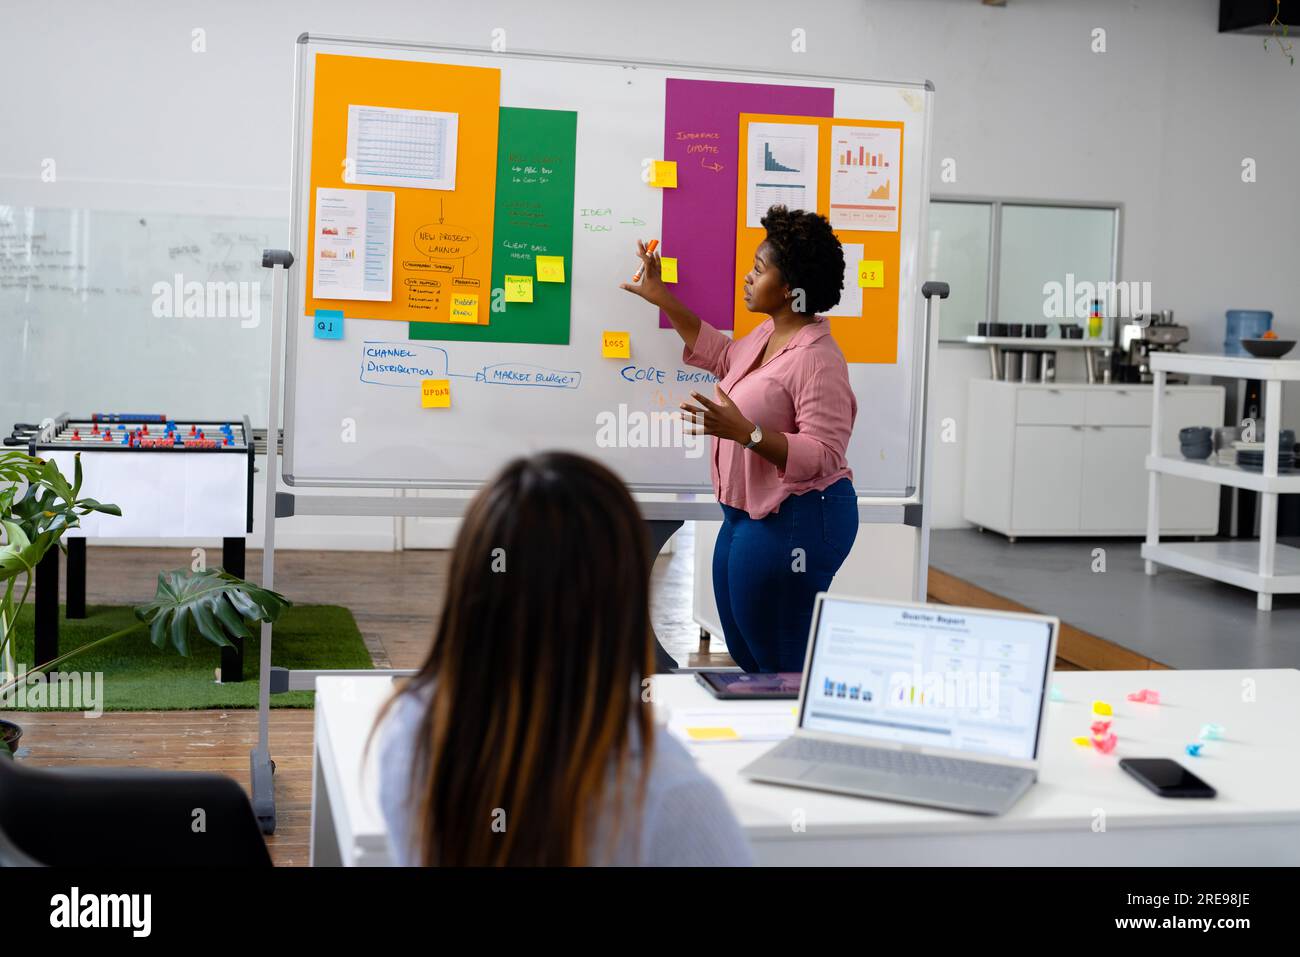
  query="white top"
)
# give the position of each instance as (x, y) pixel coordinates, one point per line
(1232, 367)
(685, 820)
(1254, 768)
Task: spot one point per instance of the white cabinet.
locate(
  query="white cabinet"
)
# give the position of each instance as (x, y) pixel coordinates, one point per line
(1045, 476)
(1113, 493)
(1066, 459)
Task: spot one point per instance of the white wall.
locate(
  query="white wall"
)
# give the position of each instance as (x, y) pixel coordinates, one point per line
(1160, 122)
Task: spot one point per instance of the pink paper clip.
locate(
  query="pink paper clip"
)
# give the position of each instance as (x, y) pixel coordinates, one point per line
(1146, 696)
(1099, 728)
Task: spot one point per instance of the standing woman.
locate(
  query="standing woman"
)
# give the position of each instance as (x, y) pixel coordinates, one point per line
(781, 422)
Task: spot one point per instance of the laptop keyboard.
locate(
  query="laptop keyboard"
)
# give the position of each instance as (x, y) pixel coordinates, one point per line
(907, 763)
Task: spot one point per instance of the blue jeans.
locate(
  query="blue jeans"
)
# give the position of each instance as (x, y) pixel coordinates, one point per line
(766, 573)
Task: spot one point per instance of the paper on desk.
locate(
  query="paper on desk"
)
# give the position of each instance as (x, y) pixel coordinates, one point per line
(699, 726)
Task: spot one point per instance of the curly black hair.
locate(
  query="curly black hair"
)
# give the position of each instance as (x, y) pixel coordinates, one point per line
(809, 255)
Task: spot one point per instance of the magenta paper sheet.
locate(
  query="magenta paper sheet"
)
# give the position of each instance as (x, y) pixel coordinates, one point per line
(702, 134)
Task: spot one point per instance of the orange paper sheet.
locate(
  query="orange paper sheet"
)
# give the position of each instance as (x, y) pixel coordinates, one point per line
(442, 239)
(871, 337)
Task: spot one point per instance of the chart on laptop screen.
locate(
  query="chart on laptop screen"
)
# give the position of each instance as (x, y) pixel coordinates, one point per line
(928, 677)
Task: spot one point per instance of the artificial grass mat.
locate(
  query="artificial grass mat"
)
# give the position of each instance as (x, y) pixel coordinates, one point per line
(140, 677)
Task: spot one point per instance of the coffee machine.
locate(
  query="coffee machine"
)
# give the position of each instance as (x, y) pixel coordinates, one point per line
(1135, 341)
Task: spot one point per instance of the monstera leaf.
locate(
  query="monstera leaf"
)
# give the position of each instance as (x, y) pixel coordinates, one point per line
(211, 604)
(48, 503)
(19, 553)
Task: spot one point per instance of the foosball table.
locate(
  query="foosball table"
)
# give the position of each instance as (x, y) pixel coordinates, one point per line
(173, 478)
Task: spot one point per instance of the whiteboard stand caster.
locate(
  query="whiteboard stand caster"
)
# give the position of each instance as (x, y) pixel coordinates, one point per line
(1150, 567)
(261, 773)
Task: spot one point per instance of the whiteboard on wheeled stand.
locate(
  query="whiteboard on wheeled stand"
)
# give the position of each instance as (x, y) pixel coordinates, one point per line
(347, 424)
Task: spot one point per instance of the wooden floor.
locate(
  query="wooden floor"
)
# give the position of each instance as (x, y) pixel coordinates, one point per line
(395, 598)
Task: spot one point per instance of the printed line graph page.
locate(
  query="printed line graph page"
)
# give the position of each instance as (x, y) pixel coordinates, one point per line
(782, 168)
(412, 148)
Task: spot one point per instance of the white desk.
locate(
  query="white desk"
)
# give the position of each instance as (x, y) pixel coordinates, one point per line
(1083, 811)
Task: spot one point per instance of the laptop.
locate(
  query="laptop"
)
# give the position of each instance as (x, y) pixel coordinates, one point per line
(925, 704)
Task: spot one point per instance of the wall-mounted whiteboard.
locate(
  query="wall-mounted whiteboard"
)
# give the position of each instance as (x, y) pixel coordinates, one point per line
(353, 413)
(87, 327)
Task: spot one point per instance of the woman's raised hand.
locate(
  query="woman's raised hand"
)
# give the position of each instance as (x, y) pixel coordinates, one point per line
(651, 288)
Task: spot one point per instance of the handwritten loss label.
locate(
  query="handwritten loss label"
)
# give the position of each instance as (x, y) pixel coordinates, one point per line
(616, 345)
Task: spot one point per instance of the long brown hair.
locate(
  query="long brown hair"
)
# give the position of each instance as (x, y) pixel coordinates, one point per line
(533, 681)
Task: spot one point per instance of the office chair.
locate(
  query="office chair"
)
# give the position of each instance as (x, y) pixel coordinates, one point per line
(125, 817)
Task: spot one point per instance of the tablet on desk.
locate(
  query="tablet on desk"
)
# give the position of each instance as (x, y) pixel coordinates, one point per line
(738, 684)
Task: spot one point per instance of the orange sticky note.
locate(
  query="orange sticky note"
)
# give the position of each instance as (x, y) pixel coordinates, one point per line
(663, 174)
(464, 307)
(550, 269)
(871, 274)
(711, 734)
(616, 345)
(435, 393)
(668, 268)
(519, 288)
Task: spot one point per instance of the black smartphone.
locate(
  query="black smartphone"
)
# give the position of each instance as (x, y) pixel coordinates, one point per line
(1167, 778)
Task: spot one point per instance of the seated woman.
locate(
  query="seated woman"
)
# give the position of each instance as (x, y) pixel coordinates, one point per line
(527, 736)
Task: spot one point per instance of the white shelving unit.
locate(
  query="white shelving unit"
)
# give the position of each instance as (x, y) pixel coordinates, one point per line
(1263, 566)
(997, 344)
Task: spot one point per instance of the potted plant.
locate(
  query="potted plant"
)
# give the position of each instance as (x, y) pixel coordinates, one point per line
(38, 505)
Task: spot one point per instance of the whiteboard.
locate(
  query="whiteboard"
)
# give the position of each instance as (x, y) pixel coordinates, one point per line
(86, 329)
(347, 427)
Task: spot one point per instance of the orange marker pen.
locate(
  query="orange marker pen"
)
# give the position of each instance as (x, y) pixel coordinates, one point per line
(650, 247)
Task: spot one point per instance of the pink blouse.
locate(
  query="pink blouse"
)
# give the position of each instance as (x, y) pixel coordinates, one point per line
(802, 391)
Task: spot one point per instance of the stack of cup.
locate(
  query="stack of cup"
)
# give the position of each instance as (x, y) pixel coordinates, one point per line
(1196, 441)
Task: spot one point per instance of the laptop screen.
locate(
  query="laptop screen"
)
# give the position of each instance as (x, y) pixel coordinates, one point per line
(927, 676)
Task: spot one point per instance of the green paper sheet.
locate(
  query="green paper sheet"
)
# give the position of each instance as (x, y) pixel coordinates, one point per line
(534, 216)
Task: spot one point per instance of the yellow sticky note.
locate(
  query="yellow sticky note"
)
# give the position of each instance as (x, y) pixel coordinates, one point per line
(435, 393)
(464, 307)
(663, 174)
(1101, 707)
(711, 734)
(668, 268)
(1082, 742)
(871, 274)
(519, 288)
(550, 269)
(616, 345)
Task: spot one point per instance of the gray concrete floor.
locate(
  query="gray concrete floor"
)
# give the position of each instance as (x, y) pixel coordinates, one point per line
(1176, 618)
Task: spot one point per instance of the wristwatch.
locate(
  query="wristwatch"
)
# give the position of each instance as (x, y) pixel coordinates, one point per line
(755, 437)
